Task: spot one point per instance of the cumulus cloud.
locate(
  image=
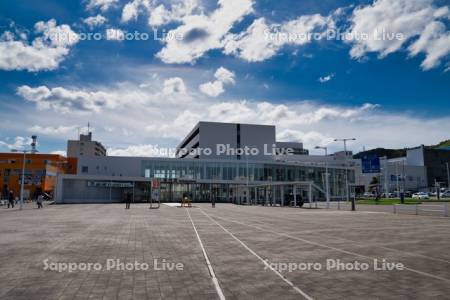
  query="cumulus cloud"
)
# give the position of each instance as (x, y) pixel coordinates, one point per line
(202, 33)
(19, 142)
(373, 29)
(215, 88)
(162, 116)
(261, 41)
(81, 101)
(160, 12)
(175, 13)
(45, 52)
(173, 86)
(326, 78)
(65, 100)
(132, 9)
(104, 5)
(52, 130)
(95, 21)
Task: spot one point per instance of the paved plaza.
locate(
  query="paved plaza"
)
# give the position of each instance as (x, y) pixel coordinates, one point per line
(232, 252)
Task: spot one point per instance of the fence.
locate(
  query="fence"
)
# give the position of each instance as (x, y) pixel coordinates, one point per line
(423, 209)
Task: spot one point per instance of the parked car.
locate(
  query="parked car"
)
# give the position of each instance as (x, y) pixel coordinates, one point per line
(408, 194)
(420, 196)
(445, 194)
(368, 195)
(388, 195)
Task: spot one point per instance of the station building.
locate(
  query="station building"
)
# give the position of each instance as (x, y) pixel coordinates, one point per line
(225, 177)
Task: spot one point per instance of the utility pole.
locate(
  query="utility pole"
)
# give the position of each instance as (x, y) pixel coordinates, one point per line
(327, 184)
(346, 165)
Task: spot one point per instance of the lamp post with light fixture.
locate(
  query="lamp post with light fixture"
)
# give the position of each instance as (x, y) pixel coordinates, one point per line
(346, 167)
(327, 185)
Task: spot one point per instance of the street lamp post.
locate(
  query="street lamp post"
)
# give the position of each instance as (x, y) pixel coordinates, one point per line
(346, 166)
(448, 177)
(327, 185)
(22, 181)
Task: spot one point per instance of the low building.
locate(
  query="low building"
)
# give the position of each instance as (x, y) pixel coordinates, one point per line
(41, 171)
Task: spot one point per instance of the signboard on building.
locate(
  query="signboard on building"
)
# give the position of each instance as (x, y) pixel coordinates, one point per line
(110, 184)
(370, 164)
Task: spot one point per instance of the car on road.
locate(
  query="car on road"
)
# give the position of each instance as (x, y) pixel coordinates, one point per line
(368, 195)
(420, 196)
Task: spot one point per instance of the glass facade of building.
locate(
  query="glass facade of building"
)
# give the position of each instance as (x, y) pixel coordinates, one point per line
(201, 178)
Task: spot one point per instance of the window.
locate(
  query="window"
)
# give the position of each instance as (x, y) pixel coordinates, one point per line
(84, 169)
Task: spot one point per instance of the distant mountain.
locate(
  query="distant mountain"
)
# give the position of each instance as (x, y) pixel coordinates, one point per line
(394, 153)
(382, 152)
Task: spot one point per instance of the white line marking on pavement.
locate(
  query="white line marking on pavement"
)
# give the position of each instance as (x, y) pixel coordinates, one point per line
(208, 263)
(306, 296)
(331, 247)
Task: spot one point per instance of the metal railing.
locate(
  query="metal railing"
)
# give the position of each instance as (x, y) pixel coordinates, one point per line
(418, 209)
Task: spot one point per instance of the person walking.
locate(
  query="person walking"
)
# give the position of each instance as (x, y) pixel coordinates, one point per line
(40, 200)
(127, 200)
(11, 199)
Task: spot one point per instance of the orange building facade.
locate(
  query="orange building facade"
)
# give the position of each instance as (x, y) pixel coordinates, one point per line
(41, 172)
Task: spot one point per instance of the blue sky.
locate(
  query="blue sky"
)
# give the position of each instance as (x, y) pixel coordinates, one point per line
(227, 66)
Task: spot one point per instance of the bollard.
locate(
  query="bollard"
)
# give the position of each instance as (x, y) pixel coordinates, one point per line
(395, 208)
(446, 210)
(417, 209)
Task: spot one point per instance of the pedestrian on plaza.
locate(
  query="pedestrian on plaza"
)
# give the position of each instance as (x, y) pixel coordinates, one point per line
(11, 199)
(127, 200)
(40, 200)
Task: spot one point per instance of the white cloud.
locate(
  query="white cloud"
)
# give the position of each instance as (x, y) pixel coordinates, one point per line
(114, 34)
(326, 78)
(261, 41)
(212, 89)
(65, 100)
(51, 130)
(45, 52)
(162, 15)
(131, 10)
(202, 33)
(59, 152)
(160, 12)
(82, 101)
(19, 142)
(95, 21)
(410, 18)
(215, 88)
(104, 5)
(173, 86)
(435, 42)
(161, 116)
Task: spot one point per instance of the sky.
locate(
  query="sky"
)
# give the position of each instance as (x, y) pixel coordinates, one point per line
(144, 72)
